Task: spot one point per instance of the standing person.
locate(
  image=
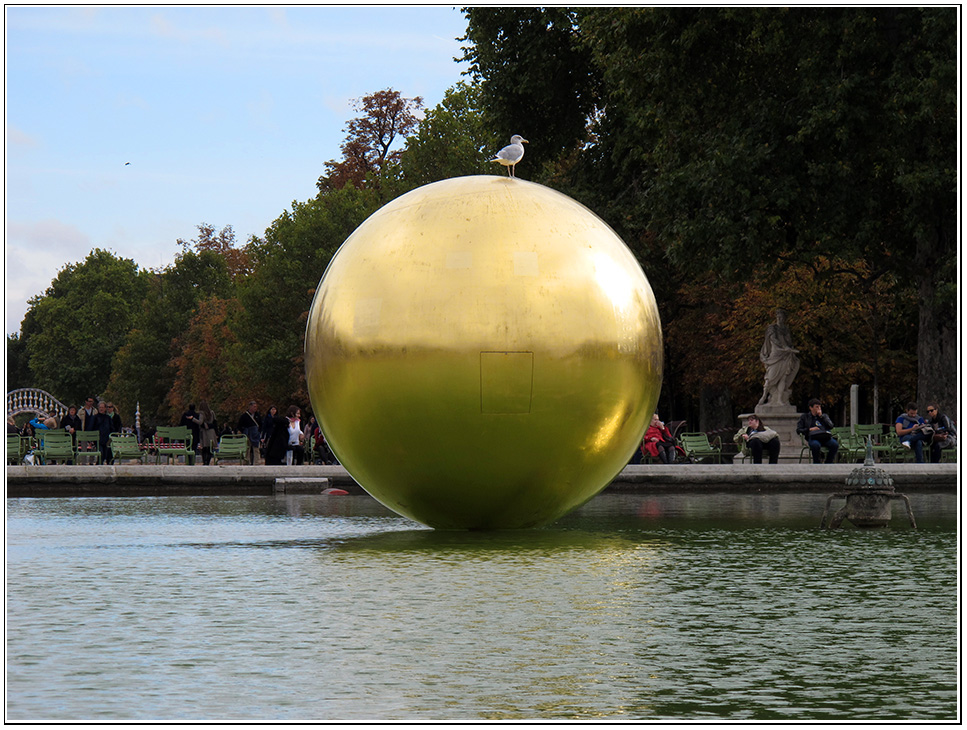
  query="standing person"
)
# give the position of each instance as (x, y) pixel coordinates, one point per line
(296, 437)
(816, 427)
(188, 420)
(72, 422)
(87, 415)
(104, 425)
(944, 432)
(277, 440)
(205, 420)
(250, 423)
(265, 433)
(115, 418)
(755, 438)
(909, 427)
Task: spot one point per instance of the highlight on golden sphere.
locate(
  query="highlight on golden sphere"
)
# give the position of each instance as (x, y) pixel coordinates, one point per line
(482, 353)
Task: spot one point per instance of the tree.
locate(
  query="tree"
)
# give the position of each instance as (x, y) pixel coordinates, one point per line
(142, 370)
(782, 136)
(288, 261)
(201, 372)
(18, 367)
(715, 339)
(367, 149)
(733, 140)
(451, 140)
(221, 243)
(72, 331)
(536, 78)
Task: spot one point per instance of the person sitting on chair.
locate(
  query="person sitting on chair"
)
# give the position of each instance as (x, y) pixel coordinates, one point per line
(815, 426)
(658, 442)
(755, 438)
(944, 432)
(911, 430)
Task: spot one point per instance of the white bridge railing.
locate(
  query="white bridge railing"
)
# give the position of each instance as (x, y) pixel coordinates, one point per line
(34, 400)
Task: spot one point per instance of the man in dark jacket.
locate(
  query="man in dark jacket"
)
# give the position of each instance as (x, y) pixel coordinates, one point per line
(815, 426)
(188, 419)
(250, 424)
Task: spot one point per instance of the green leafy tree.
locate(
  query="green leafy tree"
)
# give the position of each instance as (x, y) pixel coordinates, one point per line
(18, 367)
(536, 78)
(739, 140)
(782, 136)
(73, 330)
(451, 140)
(287, 263)
(142, 371)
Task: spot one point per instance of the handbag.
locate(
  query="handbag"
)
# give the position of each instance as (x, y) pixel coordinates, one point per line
(939, 437)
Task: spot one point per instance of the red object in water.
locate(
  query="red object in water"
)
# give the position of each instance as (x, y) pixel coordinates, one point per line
(334, 491)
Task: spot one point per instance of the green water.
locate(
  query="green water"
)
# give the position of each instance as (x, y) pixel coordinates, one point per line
(635, 607)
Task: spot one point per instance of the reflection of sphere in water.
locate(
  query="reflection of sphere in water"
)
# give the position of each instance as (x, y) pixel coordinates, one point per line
(483, 352)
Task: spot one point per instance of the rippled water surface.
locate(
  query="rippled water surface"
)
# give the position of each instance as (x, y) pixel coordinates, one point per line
(305, 608)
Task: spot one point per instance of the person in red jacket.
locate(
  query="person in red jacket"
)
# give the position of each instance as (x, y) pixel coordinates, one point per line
(658, 442)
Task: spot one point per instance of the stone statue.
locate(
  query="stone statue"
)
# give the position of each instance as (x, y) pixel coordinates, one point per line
(781, 363)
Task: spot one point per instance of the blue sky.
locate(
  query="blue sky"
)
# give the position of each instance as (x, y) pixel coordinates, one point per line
(226, 114)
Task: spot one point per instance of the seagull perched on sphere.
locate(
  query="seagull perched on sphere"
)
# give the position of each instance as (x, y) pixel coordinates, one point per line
(511, 154)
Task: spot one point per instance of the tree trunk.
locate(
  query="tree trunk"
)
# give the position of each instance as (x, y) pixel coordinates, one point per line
(937, 374)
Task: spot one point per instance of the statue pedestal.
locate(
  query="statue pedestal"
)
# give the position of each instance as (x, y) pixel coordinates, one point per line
(782, 420)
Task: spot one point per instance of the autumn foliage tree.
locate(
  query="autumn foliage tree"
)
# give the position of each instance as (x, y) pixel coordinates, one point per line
(201, 371)
(387, 117)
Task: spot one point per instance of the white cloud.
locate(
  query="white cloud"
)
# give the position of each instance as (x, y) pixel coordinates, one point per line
(34, 253)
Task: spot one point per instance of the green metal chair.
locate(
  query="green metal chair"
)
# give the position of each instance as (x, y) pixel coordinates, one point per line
(231, 446)
(898, 452)
(15, 450)
(697, 447)
(172, 442)
(55, 445)
(126, 446)
(87, 448)
(877, 433)
(806, 453)
(850, 447)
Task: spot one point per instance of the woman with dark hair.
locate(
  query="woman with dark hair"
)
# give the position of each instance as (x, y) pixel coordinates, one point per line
(277, 446)
(944, 432)
(207, 436)
(265, 432)
(755, 438)
(71, 422)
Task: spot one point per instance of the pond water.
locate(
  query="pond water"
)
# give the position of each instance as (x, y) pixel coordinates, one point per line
(635, 607)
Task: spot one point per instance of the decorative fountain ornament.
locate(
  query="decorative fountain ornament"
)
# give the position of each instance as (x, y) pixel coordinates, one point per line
(868, 501)
(483, 353)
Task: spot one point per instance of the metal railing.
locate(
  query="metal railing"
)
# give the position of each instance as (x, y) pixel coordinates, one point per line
(34, 400)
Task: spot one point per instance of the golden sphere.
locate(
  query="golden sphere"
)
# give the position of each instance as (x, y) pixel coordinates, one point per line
(483, 352)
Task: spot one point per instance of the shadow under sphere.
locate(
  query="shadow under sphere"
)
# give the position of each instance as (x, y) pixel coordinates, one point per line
(483, 352)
